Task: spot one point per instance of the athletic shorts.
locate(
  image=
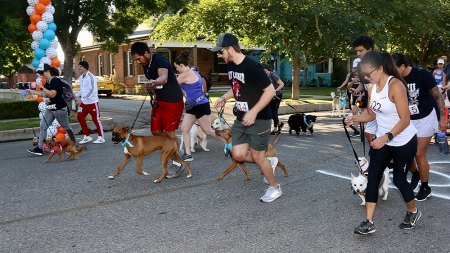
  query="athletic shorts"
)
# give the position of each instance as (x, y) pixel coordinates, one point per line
(256, 135)
(428, 126)
(166, 116)
(371, 127)
(200, 110)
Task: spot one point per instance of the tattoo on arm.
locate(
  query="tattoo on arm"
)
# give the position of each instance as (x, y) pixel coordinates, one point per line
(439, 100)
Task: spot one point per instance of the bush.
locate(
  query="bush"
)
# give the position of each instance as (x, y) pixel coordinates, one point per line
(19, 109)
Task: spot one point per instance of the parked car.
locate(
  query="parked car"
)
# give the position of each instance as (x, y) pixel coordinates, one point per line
(104, 85)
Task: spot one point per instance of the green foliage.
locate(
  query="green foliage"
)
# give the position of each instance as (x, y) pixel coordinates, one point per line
(19, 109)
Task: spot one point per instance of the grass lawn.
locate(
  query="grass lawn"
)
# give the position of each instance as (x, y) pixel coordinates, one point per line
(19, 124)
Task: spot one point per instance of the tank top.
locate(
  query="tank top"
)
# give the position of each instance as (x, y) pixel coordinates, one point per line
(387, 116)
(439, 77)
(194, 90)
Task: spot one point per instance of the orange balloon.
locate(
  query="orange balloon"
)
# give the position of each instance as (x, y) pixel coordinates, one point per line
(35, 18)
(55, 62)
(31, 28)
(44, 2)
(61, 130)
(43, 81)
(60, 136)
(40, 99)
(39, 8)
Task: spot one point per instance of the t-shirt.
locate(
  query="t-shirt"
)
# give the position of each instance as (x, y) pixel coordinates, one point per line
(248, 81)
(420, 82)
(169, 92)
(57, 102)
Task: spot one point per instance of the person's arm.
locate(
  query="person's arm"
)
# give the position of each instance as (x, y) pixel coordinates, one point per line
(34, 92)
(441, 107)
(48, 93)
(220, 102)
(182, 78)
(163, 75)
(204, 86)
(345, 82)
(280, 85)
(264, 100)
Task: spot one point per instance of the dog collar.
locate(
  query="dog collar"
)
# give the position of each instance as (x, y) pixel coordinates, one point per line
(227, 147)
(127, 142)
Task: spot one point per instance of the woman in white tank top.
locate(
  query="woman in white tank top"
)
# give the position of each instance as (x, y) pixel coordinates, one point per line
(395, 138)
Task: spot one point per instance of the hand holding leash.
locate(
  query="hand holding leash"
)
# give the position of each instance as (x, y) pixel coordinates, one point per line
(349, 119)
(249, 118)
(220, 102)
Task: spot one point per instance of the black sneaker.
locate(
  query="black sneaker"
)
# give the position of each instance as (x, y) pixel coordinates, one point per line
(415, 178)
(273, 132)
(366, 227)
(36, 151)
(356, 134)
(410, 220)
(423, 193)
(187, 158)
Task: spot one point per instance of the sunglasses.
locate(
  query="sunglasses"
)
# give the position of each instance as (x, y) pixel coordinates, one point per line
(220, 52)
(368, 74)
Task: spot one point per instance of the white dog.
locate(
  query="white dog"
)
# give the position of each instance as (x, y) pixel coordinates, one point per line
(359, 186)
(219, 124)
(339, 104)
(197, 137)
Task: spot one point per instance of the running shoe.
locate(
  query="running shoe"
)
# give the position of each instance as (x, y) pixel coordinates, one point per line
(174, 171)
(423, 194)
(36, 151)
(272, 193)
(187, 158)
(366, 227)
(356, 134)
(86, 139)
(99, 140)
(410, 220)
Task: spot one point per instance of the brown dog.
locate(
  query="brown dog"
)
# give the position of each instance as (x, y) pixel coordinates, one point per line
(58, 147)
(270, 152)
(140, 146)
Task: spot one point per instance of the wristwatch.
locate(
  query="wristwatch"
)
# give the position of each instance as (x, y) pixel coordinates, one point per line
(390, 135)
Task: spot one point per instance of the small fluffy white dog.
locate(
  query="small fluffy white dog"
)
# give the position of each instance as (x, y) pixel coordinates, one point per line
(197, 137)
(359, 185)
(339, 104)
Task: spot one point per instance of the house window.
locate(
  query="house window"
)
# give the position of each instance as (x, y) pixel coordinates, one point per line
(100, 65)
(112, 65)
(322, 67)
(130, 65)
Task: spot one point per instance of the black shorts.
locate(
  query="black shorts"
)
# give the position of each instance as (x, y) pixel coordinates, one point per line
(200, 110)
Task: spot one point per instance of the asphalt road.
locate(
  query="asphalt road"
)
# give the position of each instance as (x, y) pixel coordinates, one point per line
(72, 207)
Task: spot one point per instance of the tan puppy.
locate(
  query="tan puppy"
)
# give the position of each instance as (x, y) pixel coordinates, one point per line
(57, 147)
(271, 152)
(140, 146)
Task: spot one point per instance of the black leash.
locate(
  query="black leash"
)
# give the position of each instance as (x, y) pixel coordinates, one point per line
(140, 108)
(351, 144)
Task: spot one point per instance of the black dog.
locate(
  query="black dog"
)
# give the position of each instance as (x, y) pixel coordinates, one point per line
(301, 121)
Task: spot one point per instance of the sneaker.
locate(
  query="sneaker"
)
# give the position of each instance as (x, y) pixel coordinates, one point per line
(272, 193)
(410, 220)
(86, 139)
(356, 134)
(366, 227)
(187, 157)
(423, 193)
(99, 140)
(415, 180)
(273, 163)
(174, 171)
(273, 132)
(36, 151)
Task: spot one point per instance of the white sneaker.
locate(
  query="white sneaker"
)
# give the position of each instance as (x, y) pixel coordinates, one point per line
(99, 140)
(86, 139)
(272, 193)
(273, 163)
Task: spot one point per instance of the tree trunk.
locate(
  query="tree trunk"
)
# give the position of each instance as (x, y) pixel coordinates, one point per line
(295, 77)
(68, 64)
(305, 77)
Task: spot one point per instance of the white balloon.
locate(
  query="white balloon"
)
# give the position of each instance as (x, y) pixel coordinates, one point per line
(30, 10)
(37, 35)
(51, 130)
(46, 60)
(34, 45)
(50, 9)
(54, 44)
(42, 107)
(47, 17)
(32, 2)
(51, 52)
(42, 26)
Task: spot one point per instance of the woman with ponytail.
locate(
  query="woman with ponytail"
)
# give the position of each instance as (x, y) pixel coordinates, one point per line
(395, 137)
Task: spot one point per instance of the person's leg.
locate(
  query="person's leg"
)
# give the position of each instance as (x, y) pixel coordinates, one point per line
(63, 119)
(205, 125)
(95, 115)
(424, 166)
(46, 121)
(186, 125)
(81, 117)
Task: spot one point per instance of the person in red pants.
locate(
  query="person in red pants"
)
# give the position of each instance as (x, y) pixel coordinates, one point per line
(87, 100)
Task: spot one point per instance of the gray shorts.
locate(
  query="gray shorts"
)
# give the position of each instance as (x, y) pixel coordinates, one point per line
(256, 135)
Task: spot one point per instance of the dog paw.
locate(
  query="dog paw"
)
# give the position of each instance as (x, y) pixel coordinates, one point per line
(363, 203)
(144, 173)
(111, 177)
(189, 176)
(206, 149)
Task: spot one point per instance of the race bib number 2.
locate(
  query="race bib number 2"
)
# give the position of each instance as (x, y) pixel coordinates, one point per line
(242, 106)
(414, 109)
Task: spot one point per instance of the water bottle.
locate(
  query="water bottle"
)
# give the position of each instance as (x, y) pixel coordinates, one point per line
(442, 142)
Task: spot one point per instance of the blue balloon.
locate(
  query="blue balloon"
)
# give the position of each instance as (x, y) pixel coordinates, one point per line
(39, 53)
(52, 26)
(49, 34)
(35, 63)
(44, 43)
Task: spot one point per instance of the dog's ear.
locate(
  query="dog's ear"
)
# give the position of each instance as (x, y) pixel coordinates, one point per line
(125, 129)
(353, 176)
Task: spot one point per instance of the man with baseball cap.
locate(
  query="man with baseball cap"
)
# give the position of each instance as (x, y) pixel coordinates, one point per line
(253, 91)
(87, 100)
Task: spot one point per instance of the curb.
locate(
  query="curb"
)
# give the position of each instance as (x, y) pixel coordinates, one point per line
(27, 133)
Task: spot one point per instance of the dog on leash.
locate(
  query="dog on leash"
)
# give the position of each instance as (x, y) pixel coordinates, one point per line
(339, 104)
(198, 137)
(223, 131)
(359, 185)
(58, 147)
(301, 122)
(141, 146)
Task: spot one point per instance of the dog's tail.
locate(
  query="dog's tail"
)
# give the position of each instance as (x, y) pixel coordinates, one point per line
(278, 133)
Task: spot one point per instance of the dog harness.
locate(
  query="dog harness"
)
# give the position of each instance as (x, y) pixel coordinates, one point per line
(127, 142)
(54, 148)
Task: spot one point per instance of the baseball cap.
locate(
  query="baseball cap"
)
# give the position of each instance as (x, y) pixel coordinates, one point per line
(42, 68)
(440, 61)
(356, 62)
(225, 40)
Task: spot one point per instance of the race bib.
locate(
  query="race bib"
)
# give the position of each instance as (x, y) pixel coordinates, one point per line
(51, 107)
(414, 109)
(242, 106)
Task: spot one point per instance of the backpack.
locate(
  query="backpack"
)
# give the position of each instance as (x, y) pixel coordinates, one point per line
(68, 94)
